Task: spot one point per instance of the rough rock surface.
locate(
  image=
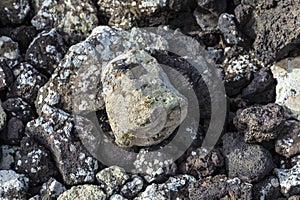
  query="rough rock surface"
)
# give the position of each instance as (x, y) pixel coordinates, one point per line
(83, 192)
(249, 162)
(2, 117)
(260, 123)
(6, 77)
(214, 6)
(8, 153)
(289, 180)
(13, 12)
(9, 51)
(126, 14)
(52, 189)
(27, 83)
(74, 18)
(111, 179)
(269, 188)
(16, 107)
(15, 131)
(133, 186)
(46, 50)
(35, 162)
(220, 187)
(55, 129)
(152, 110)
(287, 74)
(288, 143)
(80, 70)
(199, 166)
(173, 188)
(12, 185)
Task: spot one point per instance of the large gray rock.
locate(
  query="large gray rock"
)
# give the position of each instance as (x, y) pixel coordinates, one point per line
(143, 107)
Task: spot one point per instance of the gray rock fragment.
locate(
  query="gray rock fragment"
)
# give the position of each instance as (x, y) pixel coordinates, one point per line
(81, 192)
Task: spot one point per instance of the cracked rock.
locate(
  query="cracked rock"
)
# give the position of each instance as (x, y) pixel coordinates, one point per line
(248, 162)
(111, 179)
(46, 50)
(260, 123)
(9, 51)
(12, 185)
(220, 187)
(13, 12)
(54, 129)
(83, 192)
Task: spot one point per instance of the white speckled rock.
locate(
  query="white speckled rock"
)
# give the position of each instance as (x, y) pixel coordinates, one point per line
(9, 51)
(2, 117)
(12, 185)
(287, 74)
(289, 180)
(117, 197)
(143, 107)
(13, 12)
(111, 179)
(83, 192)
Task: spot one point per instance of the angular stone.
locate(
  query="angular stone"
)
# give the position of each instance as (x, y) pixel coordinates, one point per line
(9, 51)
(12, 185)
(55, 129)
(15, 131)
(289, 180)
(46, 51)
(35, 162)
(117, 197)
(151, 110)
(52, 189)
(13, 12)
(260, 123)
(247, 161)
(8, 153)
(269, 188)
(2, 117)
(111, 179)
(6, 77)
(206, 20)
(83, 192)
(74, 18)
(132, 187)
(16, 107)
(220, 187)
(27, 83)
(288, 143)
(215, 6)
(287, 74)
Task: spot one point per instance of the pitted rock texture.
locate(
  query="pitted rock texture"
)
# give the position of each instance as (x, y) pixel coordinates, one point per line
(9, 51)
(54, 129)
(287, 74)
(288, 143)
(83, 192)
(52, 189)
(6, 77)
(152, 107)
(79, 73)
(73, 18)
(220, 187)
(260, 123)
(17, 107)
(249, 162)
(12, 185)
(289, 180)
(268, 188)
(111, 179)
(126, 14)
(46, 50)
(199, 166)
(27, 83)
(13, 12)
(35, 162)
(132, 187)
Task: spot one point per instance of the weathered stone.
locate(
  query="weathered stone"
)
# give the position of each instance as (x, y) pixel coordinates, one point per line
(52, 189)
(132, 187)
(13, 12)
(247, 161)
(35, 162)
(288, 143)
(54, 129)
(260, 123)
(73, 18)
(15, 130)
(199, 166)
(46, 50)
(12, 185)
(2, 117)
(269, 188)
(111, 179)
(289, 180)
(214, 6)
(243, 13)
(126, 14)
(7, 160)
(220, 187)
(9, 51)
(83, 192)
(151, 110)
(16, 107)
(6, 77)
(206, 20)
(287, 74)
(27, 83)
(117, 197)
